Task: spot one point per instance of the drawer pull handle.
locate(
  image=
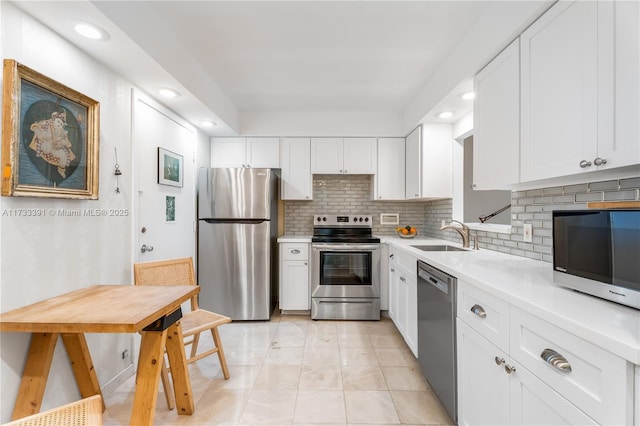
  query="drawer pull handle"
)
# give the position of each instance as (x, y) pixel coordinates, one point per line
(479, 311)
(556, 360)
(295, 251)
(499, 361)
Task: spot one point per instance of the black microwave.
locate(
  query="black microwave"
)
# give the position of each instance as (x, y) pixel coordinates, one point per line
(598, 252)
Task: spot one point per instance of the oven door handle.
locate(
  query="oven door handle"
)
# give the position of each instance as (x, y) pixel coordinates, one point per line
(345, 247)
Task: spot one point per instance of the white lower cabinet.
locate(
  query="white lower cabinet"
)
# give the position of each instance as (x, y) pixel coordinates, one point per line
(294, 277)
(403, 297)
(495, 390)
(515, 368)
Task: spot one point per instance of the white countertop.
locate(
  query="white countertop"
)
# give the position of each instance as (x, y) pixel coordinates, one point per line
(528, 284)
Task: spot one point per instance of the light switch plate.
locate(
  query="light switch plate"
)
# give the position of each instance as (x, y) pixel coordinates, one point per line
(527, 233)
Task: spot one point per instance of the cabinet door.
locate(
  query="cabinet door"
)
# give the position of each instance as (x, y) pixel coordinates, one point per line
(295, 162)
(389, 179)
(624, 149)
(326, 156)
(436, 161)
(412, 164)
(360, 156)
(496, 121)
(263, 153)
(228, 152)
(295, 285)
(559, 63)
(483, 385)
(534, 403)
(411, 306)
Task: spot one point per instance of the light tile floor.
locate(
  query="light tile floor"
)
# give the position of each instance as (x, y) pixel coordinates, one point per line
(295, 371)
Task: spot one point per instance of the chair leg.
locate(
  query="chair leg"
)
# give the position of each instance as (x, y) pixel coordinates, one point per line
(194, 344)
(223, 360)
(166, 384)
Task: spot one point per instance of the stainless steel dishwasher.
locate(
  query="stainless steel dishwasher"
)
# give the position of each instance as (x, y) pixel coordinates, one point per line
(437, 334)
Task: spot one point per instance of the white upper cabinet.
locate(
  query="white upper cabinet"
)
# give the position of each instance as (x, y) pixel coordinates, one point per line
(580, 90)
(360, 156)
(245, 152)
(428, 162)
(388, 182)
(343, 155)
(295, 162)
(496, 127)
(624, 147)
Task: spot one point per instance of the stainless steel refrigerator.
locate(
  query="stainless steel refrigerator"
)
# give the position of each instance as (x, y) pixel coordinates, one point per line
(237, 232)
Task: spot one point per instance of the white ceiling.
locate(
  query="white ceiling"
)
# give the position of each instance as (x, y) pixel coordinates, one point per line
(230, 57)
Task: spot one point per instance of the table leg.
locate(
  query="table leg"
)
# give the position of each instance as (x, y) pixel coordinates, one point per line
(179, 370)
(35, 374)
(147, 377)
(82, 365)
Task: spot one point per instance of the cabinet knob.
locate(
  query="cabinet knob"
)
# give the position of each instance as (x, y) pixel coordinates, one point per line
(305, 263)
(509, 369)
(391, 256)
(341, 171)
(307, 197)
(403, 279)
(393, 270)
(346, 171)
(380, 197)
(499, 361)
(584, 164)
(599, 161)
(415, 195)
(556, 360)
(479, 311)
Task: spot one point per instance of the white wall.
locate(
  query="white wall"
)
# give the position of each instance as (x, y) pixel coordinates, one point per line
(321, 123)
(46, 256)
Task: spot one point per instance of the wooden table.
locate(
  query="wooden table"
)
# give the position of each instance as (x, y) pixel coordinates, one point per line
(153, 311)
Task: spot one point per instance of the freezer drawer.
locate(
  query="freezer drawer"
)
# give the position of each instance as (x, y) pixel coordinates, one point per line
(234, 269)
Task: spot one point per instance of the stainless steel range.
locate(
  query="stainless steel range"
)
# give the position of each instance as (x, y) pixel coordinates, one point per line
(345, 268)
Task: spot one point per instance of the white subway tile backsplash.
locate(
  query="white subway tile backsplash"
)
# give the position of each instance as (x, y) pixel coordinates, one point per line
(535, 206)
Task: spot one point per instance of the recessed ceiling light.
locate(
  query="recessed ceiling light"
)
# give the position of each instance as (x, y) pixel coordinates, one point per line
(91, 31)
(208, 123)
(168, 93)
(468, 96)
(445, 114)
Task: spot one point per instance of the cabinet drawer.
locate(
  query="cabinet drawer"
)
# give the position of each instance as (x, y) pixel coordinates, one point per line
(595, 380)
(295, 251)
(485, 313)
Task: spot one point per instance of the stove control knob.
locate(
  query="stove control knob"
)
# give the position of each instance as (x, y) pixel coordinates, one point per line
(366, 219)
(319, 219)
(324, 219)
(355, 219)
(360, 219)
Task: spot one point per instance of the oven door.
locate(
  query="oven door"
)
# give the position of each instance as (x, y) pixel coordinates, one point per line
(345, 270)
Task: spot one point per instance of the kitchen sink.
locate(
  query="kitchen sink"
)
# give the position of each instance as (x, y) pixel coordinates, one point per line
(439, 248)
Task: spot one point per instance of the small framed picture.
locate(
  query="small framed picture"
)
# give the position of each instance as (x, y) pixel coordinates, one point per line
(169, 168)
(170, 208)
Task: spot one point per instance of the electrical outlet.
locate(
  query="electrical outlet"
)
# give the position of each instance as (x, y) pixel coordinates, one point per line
(528, 233)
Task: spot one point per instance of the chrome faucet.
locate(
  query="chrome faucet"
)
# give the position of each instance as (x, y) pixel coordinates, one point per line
(464, 231)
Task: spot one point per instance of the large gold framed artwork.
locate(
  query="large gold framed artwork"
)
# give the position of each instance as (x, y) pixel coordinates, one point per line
(50, 137)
